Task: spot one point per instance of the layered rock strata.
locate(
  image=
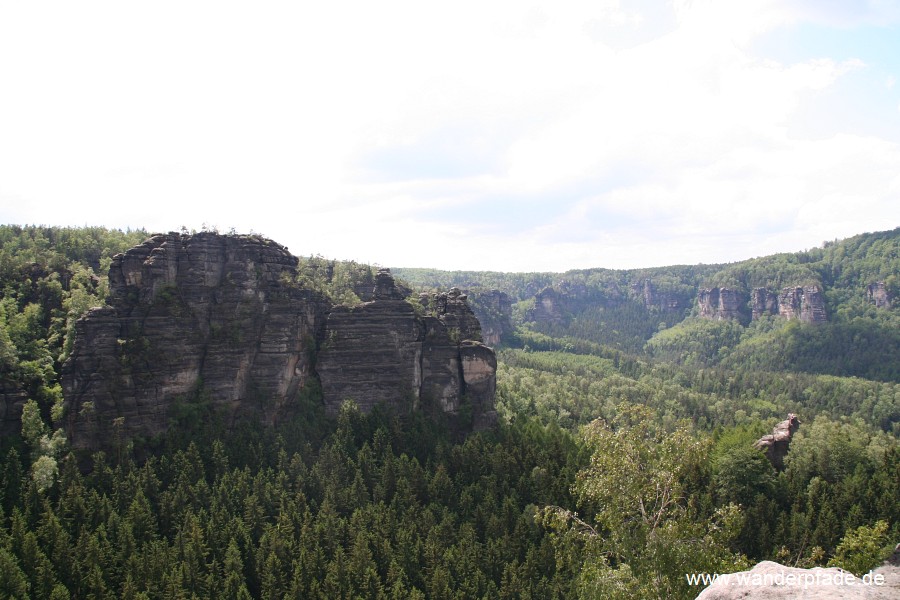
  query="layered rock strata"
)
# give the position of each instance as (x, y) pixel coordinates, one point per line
(720, 303)
(763, 302)
(550, 307)
(191, 318)
(214, 322)
(384, 352)
(806, 303)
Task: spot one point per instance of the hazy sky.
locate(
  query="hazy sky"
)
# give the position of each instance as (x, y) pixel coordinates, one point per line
(515, 136)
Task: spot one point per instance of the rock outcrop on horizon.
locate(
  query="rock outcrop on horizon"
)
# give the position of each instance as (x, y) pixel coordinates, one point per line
(215, 321)
(557, 305)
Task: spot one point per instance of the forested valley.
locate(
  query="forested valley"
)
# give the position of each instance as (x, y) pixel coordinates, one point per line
(622, 459)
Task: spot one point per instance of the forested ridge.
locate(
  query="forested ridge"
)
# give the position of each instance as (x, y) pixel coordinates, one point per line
(623, 457)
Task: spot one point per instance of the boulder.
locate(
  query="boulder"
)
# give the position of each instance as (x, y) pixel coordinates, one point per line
(772, 581)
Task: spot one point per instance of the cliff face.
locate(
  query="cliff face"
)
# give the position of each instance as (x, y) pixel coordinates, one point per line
(12, 400)
(213, 319)
(494, 311)
(383, 352)
(189, 315)
(720, 303)
(763, 302)
(550, 307)
(652, 298)
(879, 294)
(806, 304)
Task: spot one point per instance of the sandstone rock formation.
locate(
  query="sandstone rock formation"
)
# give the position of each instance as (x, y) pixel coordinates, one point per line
(763, 302)
(556, 305)
(454, 313)
(190, 316)
(804, 303)
(772, 581)
(215, 320)
(12, 400)
(720, 303)
(383, 352)
(493, 309)
(550, 307)
(879, 294)
(776, 444)
(807, 304)
(653, 298)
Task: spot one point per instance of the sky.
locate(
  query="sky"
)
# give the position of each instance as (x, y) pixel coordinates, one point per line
(502, 135)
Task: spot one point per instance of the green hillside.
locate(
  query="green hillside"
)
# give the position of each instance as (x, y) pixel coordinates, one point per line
(623, 457)
(606, 309)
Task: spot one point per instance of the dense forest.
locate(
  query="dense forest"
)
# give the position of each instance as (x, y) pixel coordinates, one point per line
(622, 459)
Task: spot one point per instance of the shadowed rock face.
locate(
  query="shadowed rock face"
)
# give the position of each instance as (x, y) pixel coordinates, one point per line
(12, 401)
(550, 307)
(212, 318)
(496, 316)
(763, 302)
(372, 353)
(652, 298)
(383, 352)
(879, 294)
(190, 314)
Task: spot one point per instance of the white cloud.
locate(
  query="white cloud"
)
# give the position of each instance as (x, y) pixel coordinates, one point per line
(405, 134)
